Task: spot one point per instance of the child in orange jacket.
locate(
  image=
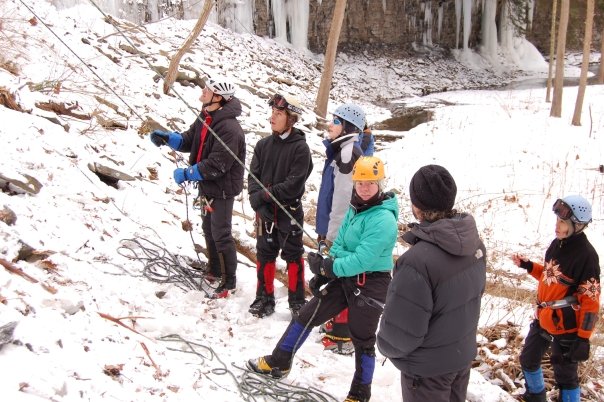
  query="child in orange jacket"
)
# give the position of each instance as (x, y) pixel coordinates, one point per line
(568, 300)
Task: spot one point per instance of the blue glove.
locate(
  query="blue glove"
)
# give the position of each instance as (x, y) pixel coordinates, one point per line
(159, 138)
(191, 173)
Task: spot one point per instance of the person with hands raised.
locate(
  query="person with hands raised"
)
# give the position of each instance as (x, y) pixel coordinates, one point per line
(568, 301)
(191, 173)
(355, 275)
(216, 145)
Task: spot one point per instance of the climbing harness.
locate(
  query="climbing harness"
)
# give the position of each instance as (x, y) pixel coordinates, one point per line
(568, 301)
(203, 204)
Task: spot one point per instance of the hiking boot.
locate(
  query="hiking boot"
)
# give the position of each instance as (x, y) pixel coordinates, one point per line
(262, 307)
(211, 278)
(350, 398)
(295, 308)
(261, 366)
(339, 346)
(528, 397)
(359, 393)
(222, 292)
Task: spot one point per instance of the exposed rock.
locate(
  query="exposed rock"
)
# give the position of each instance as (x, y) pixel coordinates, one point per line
(109, 175)
(14, 186)
(9, 100)
(6, 333)
(8, 216)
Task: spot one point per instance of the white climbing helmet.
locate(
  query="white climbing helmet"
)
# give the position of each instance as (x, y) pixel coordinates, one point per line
(222, 87)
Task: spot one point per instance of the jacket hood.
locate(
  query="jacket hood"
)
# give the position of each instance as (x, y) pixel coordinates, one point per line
(230, 110)
(389, 203)
(333, 147)
(294, 135)
(457, 235)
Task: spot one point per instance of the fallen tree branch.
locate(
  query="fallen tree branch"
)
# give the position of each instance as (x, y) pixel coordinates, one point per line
(62, 109)
(12, 268)
(119, 322)
(158, 372)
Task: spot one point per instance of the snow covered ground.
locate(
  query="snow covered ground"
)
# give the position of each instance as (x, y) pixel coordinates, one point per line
(86, 276)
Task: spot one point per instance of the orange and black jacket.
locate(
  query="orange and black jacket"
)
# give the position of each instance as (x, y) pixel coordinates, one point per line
(571, 268)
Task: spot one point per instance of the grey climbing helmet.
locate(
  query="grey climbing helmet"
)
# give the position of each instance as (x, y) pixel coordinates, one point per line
(353, 114)
(573, 207)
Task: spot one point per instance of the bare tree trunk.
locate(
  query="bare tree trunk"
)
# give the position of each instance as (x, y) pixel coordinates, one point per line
(589, 24)
(556, 110)
(330, 58)
(552, 49)
(601, 72)
(173, 69)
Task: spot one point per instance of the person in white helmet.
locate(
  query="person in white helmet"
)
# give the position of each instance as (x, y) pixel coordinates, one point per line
(214, 141)
(568, 301)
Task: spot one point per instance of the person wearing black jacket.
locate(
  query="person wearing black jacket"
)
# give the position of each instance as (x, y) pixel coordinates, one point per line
(428, 328)
(280, 166)
(216, 144)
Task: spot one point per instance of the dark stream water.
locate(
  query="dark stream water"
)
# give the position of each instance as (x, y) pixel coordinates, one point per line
(404, 119)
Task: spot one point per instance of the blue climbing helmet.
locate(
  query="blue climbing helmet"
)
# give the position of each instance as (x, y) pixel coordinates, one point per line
(573, 207)
(353, 114)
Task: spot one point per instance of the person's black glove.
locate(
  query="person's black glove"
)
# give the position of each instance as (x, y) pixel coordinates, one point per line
(320, 266)
(259, 198)
(315, 284)
(526, 264)
(266, 213)
(579, 350)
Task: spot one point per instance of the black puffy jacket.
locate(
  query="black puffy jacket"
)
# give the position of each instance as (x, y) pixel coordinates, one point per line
(429, 324)
(222, 173)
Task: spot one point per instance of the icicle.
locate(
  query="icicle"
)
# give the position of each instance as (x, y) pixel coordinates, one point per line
(489, 29)
(237, 15)
(298, 23)
(440, 19)
(457, 21)
(280, 20)
(291, 22)
(531, 11)
(427, 34)
(506, 38)
(467, 22)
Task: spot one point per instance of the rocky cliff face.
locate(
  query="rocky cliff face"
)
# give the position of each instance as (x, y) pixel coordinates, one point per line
(395, 25)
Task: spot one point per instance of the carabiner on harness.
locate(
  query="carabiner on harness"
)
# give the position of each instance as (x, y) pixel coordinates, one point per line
(203, 204)
(370, 301)
(268, 227)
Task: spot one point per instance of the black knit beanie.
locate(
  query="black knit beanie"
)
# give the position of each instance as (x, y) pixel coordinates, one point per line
(432, 188)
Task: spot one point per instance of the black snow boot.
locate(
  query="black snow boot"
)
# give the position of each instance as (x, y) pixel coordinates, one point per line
(263, 306)
(540, 397)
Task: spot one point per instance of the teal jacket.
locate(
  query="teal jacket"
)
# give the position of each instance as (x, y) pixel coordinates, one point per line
(366, 239)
